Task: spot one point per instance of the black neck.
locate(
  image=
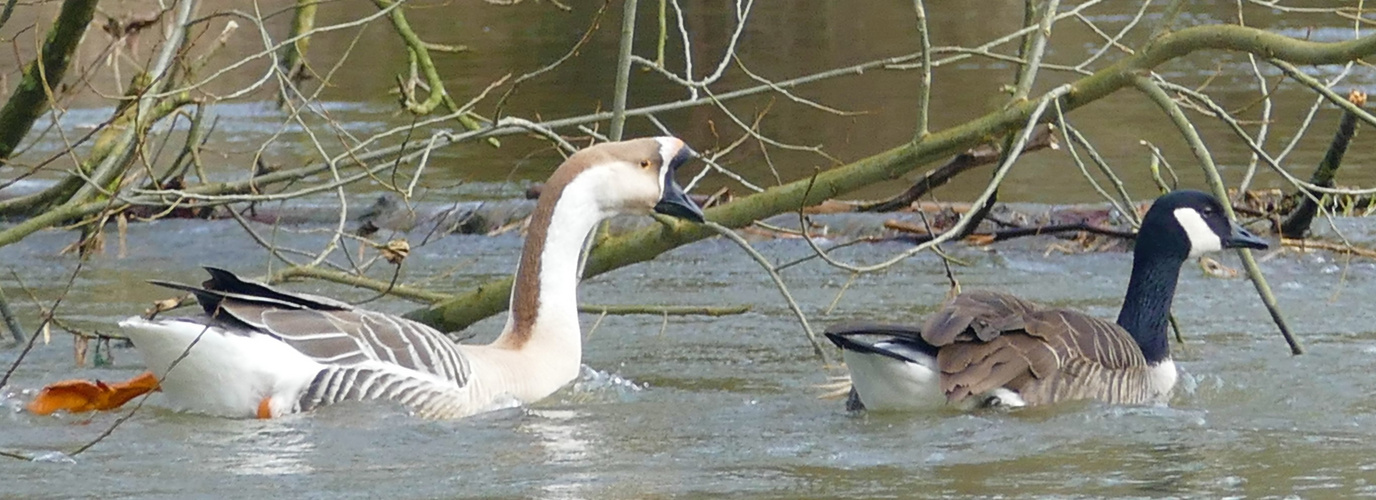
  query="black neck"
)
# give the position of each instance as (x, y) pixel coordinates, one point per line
(1147, 305)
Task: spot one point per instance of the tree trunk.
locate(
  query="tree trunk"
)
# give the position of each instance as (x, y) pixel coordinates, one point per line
(32, 96)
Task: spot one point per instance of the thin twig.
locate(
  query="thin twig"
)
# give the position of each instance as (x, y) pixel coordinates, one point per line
(778, 282)
(47, 319)
(623, 70)
(11, 322)
(924, 96)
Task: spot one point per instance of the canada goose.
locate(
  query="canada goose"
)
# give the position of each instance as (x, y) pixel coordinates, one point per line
(993, 349)
(261, 352)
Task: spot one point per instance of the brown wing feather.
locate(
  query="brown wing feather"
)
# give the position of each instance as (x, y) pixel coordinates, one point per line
(980, 315)
(989, 340)
(1096, 339)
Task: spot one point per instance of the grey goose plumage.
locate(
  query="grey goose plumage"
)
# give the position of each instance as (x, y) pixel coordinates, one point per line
(357, 348)
(989, 348)
(258, 351)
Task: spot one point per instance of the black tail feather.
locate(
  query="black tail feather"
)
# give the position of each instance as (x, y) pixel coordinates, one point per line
(224, 285)
(845, 336)
(232, 284)
(212, 299)
(858, 327)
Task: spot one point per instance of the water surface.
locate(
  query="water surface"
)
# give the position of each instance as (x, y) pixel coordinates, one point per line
(699, 407)
(715, 406)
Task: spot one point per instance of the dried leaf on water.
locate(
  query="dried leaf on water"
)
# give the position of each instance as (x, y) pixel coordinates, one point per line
(395, 251)
(1216, 269)
(165, 305)
(980, 239)
(80, 345)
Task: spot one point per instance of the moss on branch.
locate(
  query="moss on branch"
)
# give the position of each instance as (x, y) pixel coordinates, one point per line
(420, 55)
(32, 97)
(292, 58)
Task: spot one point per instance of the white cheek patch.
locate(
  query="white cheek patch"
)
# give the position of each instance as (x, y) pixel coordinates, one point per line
(668, 149)
(1203, 239)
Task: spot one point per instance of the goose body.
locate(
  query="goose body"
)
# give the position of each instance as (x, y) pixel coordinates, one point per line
(262, 352)
(258, 351)
(985, 348)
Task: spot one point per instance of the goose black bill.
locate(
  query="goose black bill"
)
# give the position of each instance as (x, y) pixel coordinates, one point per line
(674, 202)
(1242, 238)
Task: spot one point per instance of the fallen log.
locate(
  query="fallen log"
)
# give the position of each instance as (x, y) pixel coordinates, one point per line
(918, 235)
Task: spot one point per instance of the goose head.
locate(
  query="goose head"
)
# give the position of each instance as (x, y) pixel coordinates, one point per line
(1185, 224)
(632, 177)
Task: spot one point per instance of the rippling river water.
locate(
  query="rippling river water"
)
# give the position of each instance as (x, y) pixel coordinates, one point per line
(728, 406)
(714, 406)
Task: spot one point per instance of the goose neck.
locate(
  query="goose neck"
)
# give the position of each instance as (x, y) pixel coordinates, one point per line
(544, 298)
(1147, 304)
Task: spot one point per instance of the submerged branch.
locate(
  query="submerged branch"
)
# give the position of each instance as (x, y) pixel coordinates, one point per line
(657, 310)
(922, 235)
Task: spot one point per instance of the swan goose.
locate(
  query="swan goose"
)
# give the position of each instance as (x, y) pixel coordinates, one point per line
(987, 348)
(261, 352)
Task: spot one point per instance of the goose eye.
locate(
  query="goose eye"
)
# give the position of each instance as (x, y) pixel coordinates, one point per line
(645, 164)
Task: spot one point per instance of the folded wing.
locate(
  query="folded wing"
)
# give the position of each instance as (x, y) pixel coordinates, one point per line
(987, 340)
(326, 330)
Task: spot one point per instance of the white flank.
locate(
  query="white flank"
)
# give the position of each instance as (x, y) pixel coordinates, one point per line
(1202, 238)
(997, 398)
(225, 373)
(888, 384)
(1162, 379)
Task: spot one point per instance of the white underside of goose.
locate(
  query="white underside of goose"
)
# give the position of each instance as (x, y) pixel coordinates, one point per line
(244, 374)
(1162, 378)
(885, 383)
(888, 384)
(225, 374)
